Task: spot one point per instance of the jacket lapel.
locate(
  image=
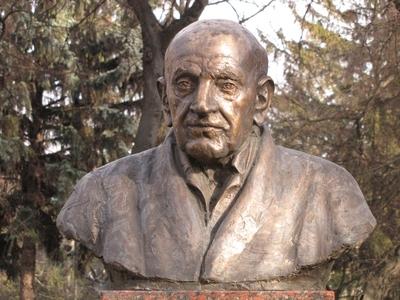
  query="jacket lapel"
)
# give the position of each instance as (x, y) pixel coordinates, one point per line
(172, 222)
(245, 218)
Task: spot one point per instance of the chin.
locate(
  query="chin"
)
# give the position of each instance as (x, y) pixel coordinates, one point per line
(205, 150)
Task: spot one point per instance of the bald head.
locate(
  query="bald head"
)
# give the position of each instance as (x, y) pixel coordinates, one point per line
(200, 36)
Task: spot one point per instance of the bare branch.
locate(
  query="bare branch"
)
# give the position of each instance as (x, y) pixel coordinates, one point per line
(182, 6)
(303, 21)
(187, 4)
(234, 10)
(218, 2)
(194, 12)
(144, 13)
(91, 12)
(190, 15)
(128, 104)
(256, 13)
(169, 16)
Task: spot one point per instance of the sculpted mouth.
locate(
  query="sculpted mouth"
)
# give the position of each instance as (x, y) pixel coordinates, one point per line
(205, 125)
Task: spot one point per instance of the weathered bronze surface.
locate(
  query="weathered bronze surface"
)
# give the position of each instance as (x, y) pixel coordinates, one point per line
(218, 205)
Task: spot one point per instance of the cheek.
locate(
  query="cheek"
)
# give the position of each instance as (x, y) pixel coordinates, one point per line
(245, 106)
(238, 112)
(179, 108)
(228, 110)
(242, 118)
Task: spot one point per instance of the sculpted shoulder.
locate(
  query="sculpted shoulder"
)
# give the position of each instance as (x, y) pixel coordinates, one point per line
(85, 212)
(318, 170)
(134, 166)
(335, 205)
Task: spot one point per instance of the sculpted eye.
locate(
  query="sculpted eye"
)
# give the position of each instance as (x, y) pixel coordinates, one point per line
(184, 85)
(227, 87)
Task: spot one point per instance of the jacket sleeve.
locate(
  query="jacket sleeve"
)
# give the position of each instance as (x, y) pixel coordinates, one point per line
(353, 220)
(82, 216)
(337, 217)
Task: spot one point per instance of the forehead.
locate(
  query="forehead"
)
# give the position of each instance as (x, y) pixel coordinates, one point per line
(222, 52)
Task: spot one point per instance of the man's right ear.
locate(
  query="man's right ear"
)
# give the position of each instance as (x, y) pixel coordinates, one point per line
(161, 87)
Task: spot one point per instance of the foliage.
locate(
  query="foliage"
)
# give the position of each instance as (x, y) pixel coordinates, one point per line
(71, 94)
(341, 102)
(8, 288)
(73, 89)
(68, 103)
(53, 281)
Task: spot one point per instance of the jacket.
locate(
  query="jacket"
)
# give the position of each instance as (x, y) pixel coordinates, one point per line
(294, 211)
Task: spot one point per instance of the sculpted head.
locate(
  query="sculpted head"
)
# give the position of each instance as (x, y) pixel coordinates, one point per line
(215, 88)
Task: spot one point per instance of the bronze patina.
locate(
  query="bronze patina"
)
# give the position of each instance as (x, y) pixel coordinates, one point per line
(217, 205)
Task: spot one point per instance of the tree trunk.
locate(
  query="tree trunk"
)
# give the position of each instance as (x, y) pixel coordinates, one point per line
(32, 178)
(155, 41)
(151, 119)
(27, 269)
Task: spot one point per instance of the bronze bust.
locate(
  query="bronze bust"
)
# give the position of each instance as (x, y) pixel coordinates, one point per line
(217, 204)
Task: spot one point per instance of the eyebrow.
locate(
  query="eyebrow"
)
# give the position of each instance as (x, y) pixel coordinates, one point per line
(221, 72)
(187, 70)
(228, 73)
(179, 71)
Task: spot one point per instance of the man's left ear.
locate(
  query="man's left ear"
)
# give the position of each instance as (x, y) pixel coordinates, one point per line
(163, 95)
(265, 91)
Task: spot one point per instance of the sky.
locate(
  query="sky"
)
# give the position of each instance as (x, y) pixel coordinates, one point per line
(275, 17)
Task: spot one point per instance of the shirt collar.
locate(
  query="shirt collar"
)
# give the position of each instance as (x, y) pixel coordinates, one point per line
(242, 161)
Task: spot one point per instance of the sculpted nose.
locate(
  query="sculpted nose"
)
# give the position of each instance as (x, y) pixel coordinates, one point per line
(204, 101)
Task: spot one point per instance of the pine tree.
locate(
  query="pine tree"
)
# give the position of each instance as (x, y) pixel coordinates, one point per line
(76, 79)
(68, 99)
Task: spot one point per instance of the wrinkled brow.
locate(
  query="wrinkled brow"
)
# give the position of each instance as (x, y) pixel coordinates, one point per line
(186, 70)
(228, 74)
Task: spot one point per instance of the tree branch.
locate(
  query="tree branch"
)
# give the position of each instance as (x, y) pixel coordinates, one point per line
(304, 20)
(144, 13)
(3, 20)
(190, 15)
(218, 2)
(98, 5)
(234, 10)
(128, 104)
(256, 13)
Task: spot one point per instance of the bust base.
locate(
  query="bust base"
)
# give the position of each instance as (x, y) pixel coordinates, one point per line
(210, 295)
